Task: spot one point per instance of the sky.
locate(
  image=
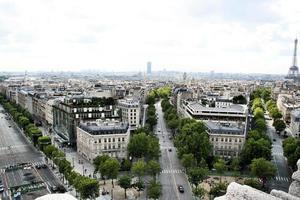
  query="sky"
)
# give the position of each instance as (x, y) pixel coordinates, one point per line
(235, 36)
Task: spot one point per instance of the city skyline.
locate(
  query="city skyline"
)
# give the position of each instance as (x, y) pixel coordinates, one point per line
(192, 36)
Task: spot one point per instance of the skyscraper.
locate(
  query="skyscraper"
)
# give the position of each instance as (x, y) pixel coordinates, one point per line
(148, 67)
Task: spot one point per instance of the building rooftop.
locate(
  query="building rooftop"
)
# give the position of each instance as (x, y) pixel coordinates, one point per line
(101, 127)
(225, 128)
(230, 109)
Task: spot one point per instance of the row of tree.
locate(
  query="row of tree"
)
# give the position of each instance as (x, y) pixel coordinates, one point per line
(256, 153)
(152, 97)
(274, 112)
(87, 187)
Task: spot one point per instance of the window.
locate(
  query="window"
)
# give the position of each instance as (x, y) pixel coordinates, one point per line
(113, 140)
(119, 139)
(108, 139)
(99, 140)
(104, 139)
(123, 139)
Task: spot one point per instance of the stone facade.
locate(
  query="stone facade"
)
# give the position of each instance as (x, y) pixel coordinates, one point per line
(236, 191)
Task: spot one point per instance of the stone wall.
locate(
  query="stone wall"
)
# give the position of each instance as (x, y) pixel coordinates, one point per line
(236, 191)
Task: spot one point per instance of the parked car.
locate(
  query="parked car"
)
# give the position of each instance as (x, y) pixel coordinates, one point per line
(170, 150)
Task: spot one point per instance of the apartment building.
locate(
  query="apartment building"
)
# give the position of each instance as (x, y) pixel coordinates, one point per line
(67, 114)
(227, 138)
(103, 137)
(286, 103)
(130, 110)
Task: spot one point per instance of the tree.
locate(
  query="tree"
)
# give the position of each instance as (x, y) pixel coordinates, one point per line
(235, 164)
(193, 138)
(199, 192)
(64, 167)
(258, 113)
(139, 169)
(44, 141)
(153, 168)
(196, 175)
(275, 113)
(253, 183)
(154, 190)
(48, 150)
(220, 166)
(23, 121)
(125, 183)
(218, 189)
(263, 169)
(188, 161)
(279, 125)
(142, 145)
(138, 145)
(240, 99)
(125, 165)
(152, 121)
(87, 187)
(111, 169)
(255, 149)
(260, 124)
(291, 150)
(98, 162)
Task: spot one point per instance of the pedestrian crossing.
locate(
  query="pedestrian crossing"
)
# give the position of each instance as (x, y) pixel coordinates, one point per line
(38, 163)
(280, 178)
(172, 171)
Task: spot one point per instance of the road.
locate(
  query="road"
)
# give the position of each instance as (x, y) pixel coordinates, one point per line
(172, 173)
(282, 179)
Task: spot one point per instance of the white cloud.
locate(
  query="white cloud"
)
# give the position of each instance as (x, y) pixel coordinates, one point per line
(186, 35)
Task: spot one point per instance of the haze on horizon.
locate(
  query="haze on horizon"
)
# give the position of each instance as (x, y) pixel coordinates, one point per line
(254, 36)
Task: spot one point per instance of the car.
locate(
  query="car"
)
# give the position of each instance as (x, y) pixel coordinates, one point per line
(9, 126)
(170, 150)
(38, 167)
(1, 188)
(27, 167)
(180, 189)
(53, 188)
(274, 140)
(44, 166)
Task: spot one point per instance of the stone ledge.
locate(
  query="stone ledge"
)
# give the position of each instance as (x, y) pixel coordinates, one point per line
(283, 195)
(236, 191)
(295, 188)
(296, 175)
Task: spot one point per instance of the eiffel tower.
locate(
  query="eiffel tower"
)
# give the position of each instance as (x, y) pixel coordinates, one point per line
(293, 73)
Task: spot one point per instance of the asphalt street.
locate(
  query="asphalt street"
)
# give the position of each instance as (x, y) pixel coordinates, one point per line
(283, 176)
(172, 173)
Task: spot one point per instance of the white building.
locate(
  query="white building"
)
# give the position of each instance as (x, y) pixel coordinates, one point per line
(103, 138)
(295, 122)
(130, 112)
(223, 102)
